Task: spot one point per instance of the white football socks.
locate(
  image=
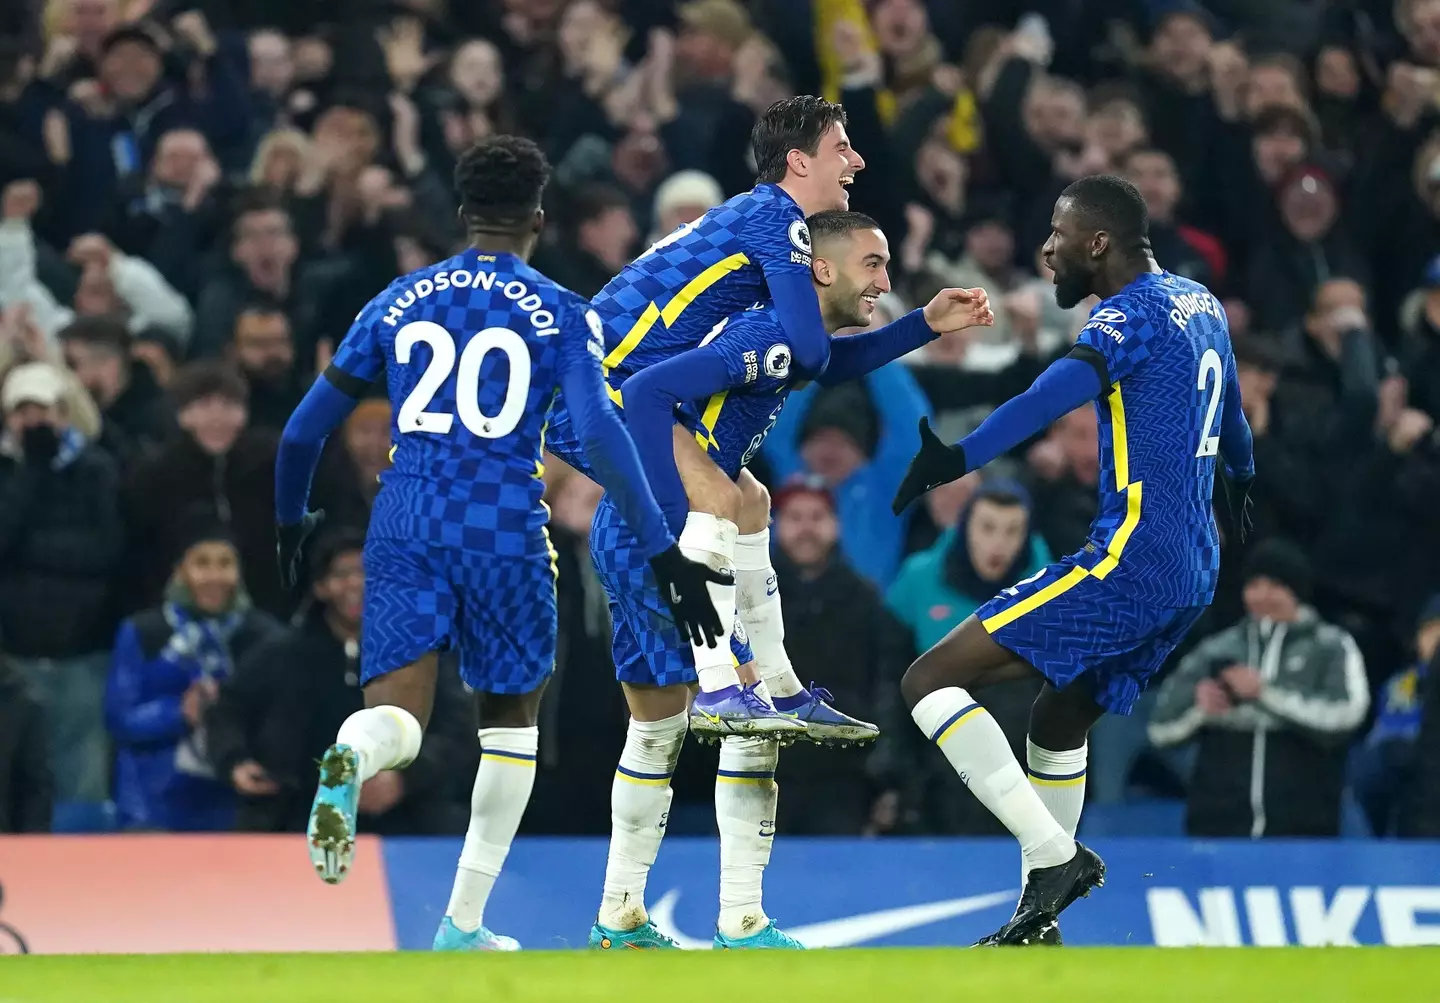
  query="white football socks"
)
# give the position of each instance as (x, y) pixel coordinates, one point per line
(1059, 781)
(639, 808)
(497, 802)
(759, 604)
(384, 738)
(711, 540)
(745, 799)
(977, 749)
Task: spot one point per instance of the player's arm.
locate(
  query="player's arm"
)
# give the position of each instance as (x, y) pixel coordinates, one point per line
(1237, 445)
(329, 401)
(1065, 384)
(650, 399)
(951, 310)
(776, 239)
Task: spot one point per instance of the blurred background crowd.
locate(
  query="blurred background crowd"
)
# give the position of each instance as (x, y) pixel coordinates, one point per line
(199, 195)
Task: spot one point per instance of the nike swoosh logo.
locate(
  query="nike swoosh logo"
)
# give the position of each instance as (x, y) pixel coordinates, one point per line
(848, 931)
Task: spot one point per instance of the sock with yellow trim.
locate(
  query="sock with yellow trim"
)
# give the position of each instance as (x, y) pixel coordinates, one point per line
(384, 738)
(1059, 780)
(977, 749)
(745, 799)
(711, 540)
(497, 802)
(639, 809)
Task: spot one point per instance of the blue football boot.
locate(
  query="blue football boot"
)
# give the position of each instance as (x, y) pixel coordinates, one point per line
(824, 725)
(331, 830)
(772, 938)
(451, 938)
(645, 937)
(740, 710)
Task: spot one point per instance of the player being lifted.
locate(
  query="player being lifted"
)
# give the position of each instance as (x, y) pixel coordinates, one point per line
(746, 364)
(752, 250)
(457, 557)
(1155, 358)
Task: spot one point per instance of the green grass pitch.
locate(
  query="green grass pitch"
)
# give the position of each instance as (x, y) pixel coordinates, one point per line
(1141, 975)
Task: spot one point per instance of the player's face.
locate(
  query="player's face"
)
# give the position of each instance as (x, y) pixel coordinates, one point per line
(833, 168)
(211, 572)
(861, 276)
(1069, 253)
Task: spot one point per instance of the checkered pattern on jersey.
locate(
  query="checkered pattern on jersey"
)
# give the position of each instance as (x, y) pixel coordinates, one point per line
(1158, 417)
(756, 224)
(499, 612)
(1093, 628)
(645, 646)
(462, 487)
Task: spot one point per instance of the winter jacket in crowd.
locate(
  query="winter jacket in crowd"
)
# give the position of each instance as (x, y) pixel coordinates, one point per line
(26, 785)
(163, 775)
(1275, 766)
(61, 539)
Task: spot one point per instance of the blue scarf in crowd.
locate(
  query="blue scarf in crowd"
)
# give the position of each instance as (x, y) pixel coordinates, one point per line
(203, 639)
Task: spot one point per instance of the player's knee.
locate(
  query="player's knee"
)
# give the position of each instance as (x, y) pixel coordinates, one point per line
(754, 503)
(509, 710)
(919, 681)
(719, 497)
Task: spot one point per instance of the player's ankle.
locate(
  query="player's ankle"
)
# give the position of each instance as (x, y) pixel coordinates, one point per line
(782, 682)
(714, 678)
(622, 917)
(1057, 850)
(741, 922)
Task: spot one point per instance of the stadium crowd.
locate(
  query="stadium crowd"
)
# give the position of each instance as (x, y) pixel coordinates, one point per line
(199, 196)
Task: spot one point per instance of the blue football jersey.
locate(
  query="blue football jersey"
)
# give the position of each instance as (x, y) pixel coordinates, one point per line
(472, 349)
(672, 296)
(1166, 344)
(732, 425)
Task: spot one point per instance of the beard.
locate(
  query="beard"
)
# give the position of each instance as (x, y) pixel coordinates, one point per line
(1071, 288)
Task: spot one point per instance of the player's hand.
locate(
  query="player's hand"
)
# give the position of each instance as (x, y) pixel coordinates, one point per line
(683, 587)
(957, 309)
(934, 465)
(290, 541)
(1242, 507)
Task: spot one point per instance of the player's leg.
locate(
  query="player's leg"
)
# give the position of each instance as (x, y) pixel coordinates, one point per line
(509, 740)
(724, 705)
(760, 612)
(937, 688)
(409, 615)
(507, 652)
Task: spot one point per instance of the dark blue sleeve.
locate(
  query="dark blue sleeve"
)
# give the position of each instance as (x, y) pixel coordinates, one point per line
(650, 399)
(857, 355)
(129, 715)
(1237, 446)
(799, 311)
(322, 409)
(607, 445)
(1063, 386)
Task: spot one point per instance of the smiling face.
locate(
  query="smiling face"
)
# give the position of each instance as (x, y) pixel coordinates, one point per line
(851, 274)
(826, 175)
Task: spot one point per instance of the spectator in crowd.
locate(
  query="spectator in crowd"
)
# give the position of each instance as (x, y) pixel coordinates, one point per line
(136, 417)
(858, 439)
(604, 241)
(836, 629)
(1272, 703)
(367, 443)
(168, 665)
(60, 544)
(263, 250)
(1383, 769)
(274, 717)
(219, 462)
(264, 352)
(1064, 469)
(990, 547)
(26, 784)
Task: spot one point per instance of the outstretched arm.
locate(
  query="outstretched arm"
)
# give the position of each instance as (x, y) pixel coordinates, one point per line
(1237, 446)
(951, 310)
(325, 405)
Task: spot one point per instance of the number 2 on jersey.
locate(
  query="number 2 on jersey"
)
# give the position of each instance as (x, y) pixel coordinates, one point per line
(414, 417)
(1212, 375)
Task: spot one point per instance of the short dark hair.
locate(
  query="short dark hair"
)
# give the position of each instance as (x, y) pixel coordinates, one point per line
(500, 181)
(207, 378)
(330, 545)
(793, 124)
(259, 198)
(263, 305)
(836, 223)
(1110, 203)
(1256, 353)
(1282, 118)
(101, 332)
(593, 200)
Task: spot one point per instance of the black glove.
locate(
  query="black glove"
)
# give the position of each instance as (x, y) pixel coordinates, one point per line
(1241, 507)
(41, 444)
(682, 586)
(934, 465)
(290, 541)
